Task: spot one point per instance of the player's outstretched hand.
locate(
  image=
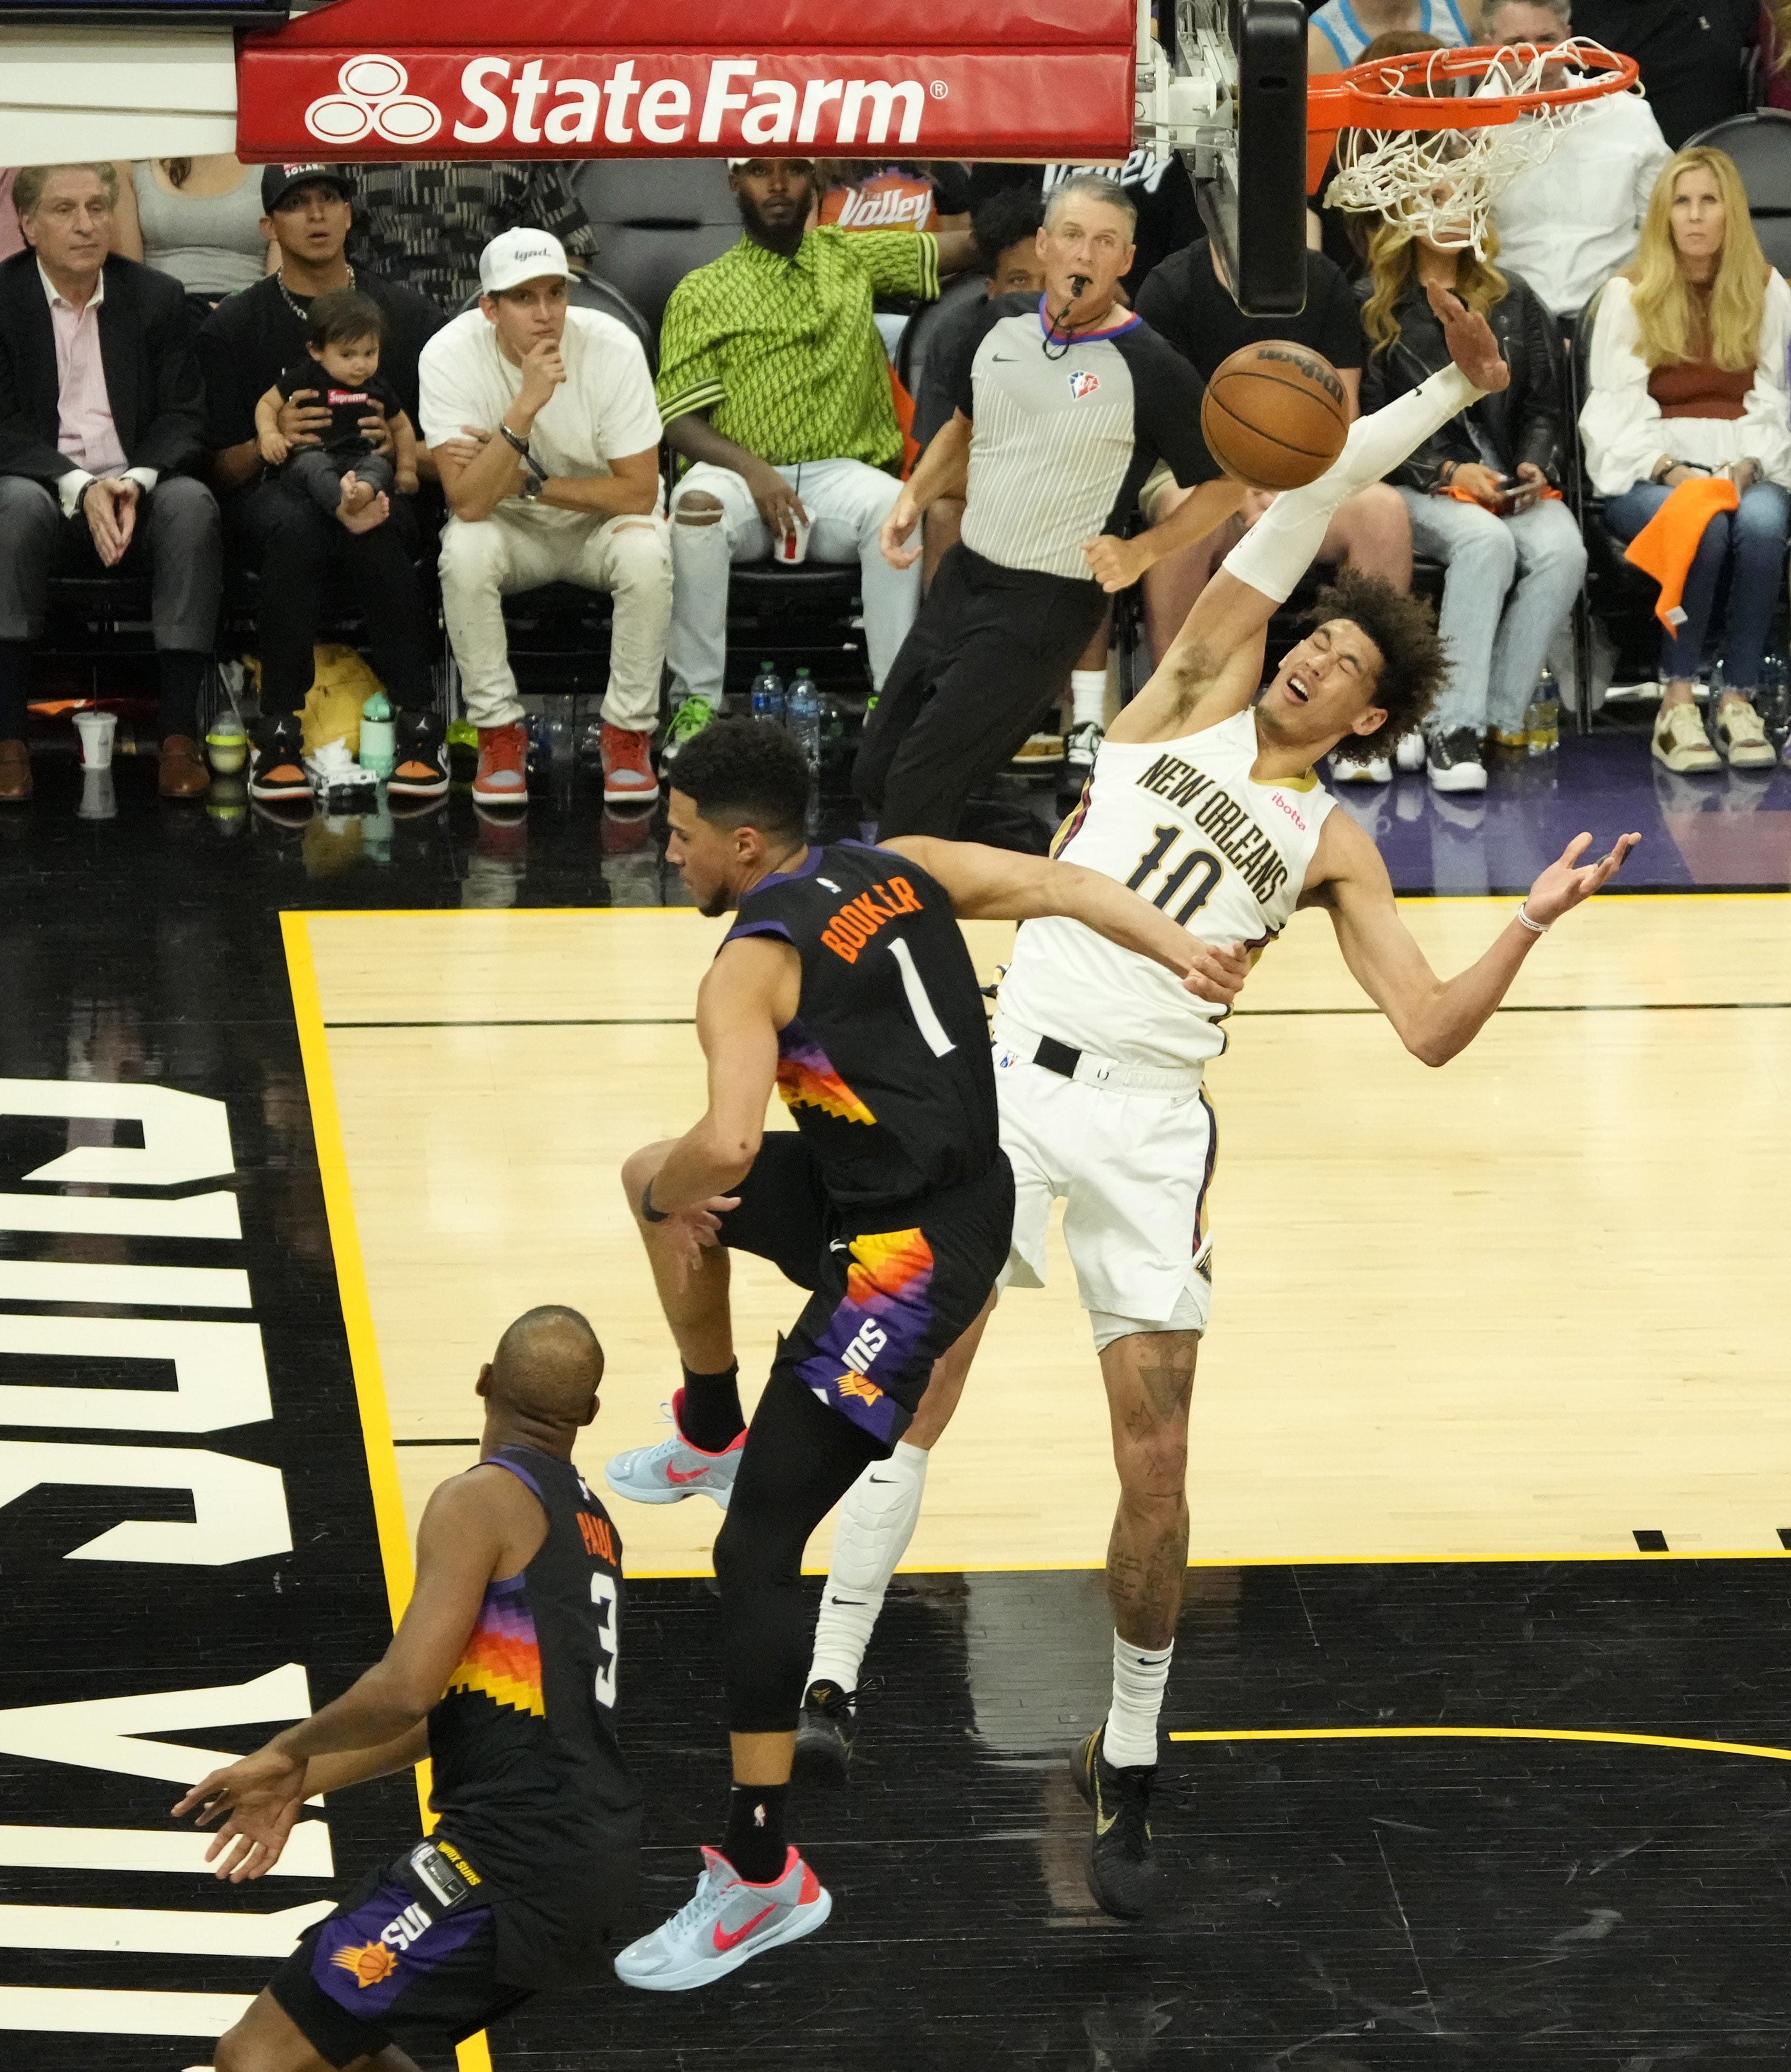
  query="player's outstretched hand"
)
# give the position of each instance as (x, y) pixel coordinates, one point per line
(1470, 340)
(262, 1794)
(1565, 882)
(1216, 970)
(692, 1232)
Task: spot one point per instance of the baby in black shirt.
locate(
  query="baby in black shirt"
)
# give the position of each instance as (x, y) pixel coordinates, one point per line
(343, 472)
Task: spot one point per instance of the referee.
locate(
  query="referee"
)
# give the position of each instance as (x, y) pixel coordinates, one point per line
(1072, 401)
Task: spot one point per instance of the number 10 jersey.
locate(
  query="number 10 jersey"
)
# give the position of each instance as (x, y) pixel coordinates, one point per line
(1185, 825)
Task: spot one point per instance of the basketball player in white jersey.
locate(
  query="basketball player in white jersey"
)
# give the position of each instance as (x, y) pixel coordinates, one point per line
(1204, 799)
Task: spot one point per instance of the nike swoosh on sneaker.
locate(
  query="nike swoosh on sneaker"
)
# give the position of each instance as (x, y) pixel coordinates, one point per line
(1103, 1821)
(725, 1940)
(684, 1475)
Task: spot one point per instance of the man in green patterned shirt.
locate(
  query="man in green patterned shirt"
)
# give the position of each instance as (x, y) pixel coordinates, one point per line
(774, 384)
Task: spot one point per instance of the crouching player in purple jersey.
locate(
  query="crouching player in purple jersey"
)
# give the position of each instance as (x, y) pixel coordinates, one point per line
(503, 1672)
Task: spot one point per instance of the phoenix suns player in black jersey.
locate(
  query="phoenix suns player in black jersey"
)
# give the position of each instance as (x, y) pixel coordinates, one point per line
(845, 984)
(503, 1672)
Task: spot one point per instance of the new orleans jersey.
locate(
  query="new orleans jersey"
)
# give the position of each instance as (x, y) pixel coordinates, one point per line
(1183, 824)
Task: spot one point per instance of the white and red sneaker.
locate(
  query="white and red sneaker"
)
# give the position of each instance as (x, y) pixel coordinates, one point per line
(726, 1923)
(502, 778)
(674, 1470)
(628, 778)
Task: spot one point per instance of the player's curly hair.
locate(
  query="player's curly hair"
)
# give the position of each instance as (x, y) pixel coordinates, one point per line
(1413, 661)
(1011, 215)
(745, 773)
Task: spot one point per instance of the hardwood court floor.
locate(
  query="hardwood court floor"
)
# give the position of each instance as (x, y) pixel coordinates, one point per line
(1523, 1306)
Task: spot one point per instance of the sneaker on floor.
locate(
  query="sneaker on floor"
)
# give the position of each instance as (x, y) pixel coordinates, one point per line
(674, 1470)
(684, 724)
(1452, 761)
(628, 778)
(725, 1924)
(1360, 770)
(502, 778)
(1680, 741)
(277, 772)
(1740, 735)
(421, 769)
(1122, 1861)
(1081, 744)
(1408, 752)
(825, 1733)
(1038, 751)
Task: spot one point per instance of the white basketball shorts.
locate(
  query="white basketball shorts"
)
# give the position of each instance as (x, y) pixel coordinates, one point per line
(1133, 1170)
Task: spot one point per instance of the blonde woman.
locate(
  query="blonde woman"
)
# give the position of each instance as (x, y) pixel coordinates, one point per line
(1513, 556)
(1687, 381)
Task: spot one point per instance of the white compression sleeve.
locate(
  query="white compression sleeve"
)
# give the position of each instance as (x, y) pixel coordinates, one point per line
(877, 1521)
(1280, 547)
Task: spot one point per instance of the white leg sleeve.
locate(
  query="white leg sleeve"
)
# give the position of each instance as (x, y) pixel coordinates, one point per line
(1280, 547)
(877, 1521)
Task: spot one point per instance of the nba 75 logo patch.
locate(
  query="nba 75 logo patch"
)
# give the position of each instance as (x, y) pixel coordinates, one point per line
(1082, 383)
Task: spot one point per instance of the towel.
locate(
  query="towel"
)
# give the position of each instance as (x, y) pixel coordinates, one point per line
(1666, 546)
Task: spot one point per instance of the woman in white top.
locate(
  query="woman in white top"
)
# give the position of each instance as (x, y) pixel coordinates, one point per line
(198, 219)
(1688, 379)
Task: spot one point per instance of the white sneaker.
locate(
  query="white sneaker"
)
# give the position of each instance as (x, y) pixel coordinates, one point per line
(1408, 752)
(1081, 744)
(1453, 761)
(726, 1922)
(1348, 770)
(674, 1470)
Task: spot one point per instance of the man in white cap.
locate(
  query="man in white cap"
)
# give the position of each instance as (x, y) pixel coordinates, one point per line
(542, 420)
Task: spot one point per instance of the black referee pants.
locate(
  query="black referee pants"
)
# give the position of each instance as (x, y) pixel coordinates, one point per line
(990, 649)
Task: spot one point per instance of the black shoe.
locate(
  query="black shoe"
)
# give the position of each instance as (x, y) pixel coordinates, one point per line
(277, 776)
(421, 769)
(825, 1734)
(1122, 1863)
(1452, 761)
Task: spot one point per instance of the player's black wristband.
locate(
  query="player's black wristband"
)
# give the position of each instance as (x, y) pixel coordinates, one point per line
(648, 1213)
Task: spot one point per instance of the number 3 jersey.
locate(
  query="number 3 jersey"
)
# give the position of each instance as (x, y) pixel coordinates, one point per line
(1185, 826)
(529, 1783)
(885, 1067)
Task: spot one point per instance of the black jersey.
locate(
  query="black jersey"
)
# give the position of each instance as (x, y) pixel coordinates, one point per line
(529, 1782)
(885, 1068)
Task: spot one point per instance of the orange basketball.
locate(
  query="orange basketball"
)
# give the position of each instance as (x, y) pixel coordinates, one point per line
(1275, 416)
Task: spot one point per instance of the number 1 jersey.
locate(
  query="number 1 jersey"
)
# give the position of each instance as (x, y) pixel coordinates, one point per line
(1185, 826)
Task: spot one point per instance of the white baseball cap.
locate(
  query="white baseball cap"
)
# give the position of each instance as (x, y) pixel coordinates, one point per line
(516, 256)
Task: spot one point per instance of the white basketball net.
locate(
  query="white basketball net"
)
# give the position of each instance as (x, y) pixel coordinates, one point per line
(1441, 184)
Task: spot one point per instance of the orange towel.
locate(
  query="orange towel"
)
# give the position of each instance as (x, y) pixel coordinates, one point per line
(1666, 546)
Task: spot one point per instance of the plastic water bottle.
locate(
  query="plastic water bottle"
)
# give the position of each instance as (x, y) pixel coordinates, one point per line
(768, 694)
(379, 738)
(804, 720)
(1542, 724)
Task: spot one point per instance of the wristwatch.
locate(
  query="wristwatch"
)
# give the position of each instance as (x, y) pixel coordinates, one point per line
(530, 492)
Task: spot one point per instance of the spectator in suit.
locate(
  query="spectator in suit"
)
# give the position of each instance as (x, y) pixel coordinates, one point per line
(101, 417)
(1607, 162)
(244, 346)
(1688, 381)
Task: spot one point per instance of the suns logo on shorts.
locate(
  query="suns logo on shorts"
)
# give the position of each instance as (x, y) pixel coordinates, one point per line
(371, 1963)
(1082, 383)
(859, 1385)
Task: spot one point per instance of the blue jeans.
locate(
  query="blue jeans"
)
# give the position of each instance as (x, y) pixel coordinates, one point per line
(1751, 542)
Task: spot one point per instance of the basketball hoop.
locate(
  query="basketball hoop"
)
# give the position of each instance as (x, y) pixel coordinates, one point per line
(1431, 140)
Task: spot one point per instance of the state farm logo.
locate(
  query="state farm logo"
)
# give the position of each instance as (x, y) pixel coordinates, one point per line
(373, 102)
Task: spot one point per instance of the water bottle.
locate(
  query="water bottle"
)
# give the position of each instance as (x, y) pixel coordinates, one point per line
(379, 738)
(804, 720)
(768, 694)
(1542, 725)
(1771, 704)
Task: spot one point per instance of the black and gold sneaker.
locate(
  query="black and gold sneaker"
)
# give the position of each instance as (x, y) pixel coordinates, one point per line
(1122, 1863)
(825, 1733)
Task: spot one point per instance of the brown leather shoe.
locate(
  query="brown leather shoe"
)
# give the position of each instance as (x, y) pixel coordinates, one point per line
(183, 773)
(15, 773)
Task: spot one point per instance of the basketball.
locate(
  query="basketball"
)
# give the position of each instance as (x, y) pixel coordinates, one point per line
(1274, 415)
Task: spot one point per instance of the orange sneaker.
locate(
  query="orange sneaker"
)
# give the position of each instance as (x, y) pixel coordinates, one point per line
(628, 778)
(503, 778)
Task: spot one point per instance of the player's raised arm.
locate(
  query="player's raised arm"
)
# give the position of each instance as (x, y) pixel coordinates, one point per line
(1436, 1018)
(1214, 662)
(996, 885)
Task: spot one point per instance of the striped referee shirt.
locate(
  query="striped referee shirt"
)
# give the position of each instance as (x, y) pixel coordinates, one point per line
(783, 353)
(1065, 437)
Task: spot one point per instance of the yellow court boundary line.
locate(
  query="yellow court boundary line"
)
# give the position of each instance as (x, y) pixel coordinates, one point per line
(474, 2054)
(1481, 1734)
